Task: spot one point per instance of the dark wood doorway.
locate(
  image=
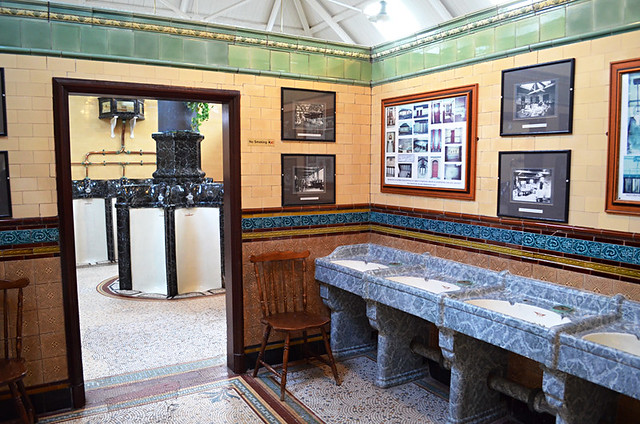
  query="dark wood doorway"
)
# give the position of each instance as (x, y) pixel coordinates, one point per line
(230, 101)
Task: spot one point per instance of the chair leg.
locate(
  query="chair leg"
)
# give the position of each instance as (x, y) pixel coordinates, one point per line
(305, 347)
(30, 411)
(327, 347)
(18, 401)
(285, 360)
(265, 338)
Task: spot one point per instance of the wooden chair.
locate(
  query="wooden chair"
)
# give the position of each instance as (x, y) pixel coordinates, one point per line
(12, 365)
(283, 299)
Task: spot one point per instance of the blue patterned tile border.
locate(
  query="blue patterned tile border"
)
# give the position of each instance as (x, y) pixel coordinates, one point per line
(39, 235)
(304, 220)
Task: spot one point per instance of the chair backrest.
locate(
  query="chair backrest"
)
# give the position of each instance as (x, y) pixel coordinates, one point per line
(12, 306)
(281, 281)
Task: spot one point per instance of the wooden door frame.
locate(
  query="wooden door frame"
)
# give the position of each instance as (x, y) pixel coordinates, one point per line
(230, 100)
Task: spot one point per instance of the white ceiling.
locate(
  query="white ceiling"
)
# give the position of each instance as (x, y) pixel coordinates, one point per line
(333, 20)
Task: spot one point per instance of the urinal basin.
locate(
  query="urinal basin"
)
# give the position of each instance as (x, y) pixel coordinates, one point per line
(430, 285)
(529, 313)
(622, 341)
(359, 265)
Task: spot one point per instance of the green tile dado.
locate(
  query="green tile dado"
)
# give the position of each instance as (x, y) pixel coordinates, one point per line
(579, 19)
(416, 60)
(552, 24)
(403, 64)
(217, 53)
(432, 56)
(352, 69)
(65, 37)
(483, 42)
(377, 71)
(146, 45)
(606, 15)
(94, 40)
(171, 48)
(632, 11)
(505, 37)
(260, 59)
(365, 71)
(299, 63)
(10, 34)
(35, 34)
(318, 65)
(120, 42)
(239, 57)
(195, 51)
(448, 51)
(280, 61)
(465, 48)
(527, 31)
(389, 70)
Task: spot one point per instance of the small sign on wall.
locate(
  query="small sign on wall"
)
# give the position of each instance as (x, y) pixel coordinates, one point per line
(261, 142)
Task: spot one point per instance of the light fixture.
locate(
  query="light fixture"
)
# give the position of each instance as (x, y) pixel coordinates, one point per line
(382, 15)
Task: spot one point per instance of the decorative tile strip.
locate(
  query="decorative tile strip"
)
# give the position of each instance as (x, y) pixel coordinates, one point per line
(188, 32)
(501, 18)
(304, 220)
(35, 251)
(39, 235)
(305, 232)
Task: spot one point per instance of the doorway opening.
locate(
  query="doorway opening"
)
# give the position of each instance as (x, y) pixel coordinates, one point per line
(228, 102)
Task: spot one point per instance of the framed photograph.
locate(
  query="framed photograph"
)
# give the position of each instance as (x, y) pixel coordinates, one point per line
(3, 105)
(308, 179)
(5, 192)
(308, 115)
(623, 164)
(429, 143)
(534, 185)
(538, 99)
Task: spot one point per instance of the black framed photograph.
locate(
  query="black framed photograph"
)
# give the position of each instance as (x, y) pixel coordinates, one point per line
(538, 99)
(308, 115)
(5, 191)
(534, 185)
(308, 179)
(3, 105)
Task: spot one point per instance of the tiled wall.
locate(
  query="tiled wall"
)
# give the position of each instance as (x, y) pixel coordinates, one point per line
(588, 142)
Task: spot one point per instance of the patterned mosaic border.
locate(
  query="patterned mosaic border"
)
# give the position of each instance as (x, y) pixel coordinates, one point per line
(31, 236)
(441, 231)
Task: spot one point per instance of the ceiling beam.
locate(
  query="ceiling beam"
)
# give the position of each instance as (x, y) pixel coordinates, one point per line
(441, 10)
(303, 17)
(226, 9)
(185, 5)
(334, 25)
(174, 9)
(273, 15)
(339, 17)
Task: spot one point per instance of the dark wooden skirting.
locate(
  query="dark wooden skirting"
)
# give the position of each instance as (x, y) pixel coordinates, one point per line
(46, 399)
(230, 101)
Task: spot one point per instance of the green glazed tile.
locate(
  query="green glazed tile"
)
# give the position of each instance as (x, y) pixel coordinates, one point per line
(527, 31)
(389, 67)
(239, 57)
(377, 71)
(93, 40)
(416, 60)
(217, 53)
(65, 37)
(448, 52)
(464, 48)
(280, 61)
(10, 34)
(403, 64)
(606, 15)
(35, 34)
(146, 45)
(365, 71)
(552, 24)
(335, 67)
(171, 48)
(318, 65)
(505, 37)
(432, 56)
(352, 69)
(195, 51)
(632, 11)
(579, 19)
(484, 42)
(260, 59)
(120, 42)
(299, 63)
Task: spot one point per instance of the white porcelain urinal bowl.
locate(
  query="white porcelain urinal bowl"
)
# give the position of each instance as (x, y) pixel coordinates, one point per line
(430, 285)
(622, 341)
(529, 313)
(359, 265)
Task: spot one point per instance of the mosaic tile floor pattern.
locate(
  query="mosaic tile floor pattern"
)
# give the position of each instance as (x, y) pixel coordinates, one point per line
(126, 335)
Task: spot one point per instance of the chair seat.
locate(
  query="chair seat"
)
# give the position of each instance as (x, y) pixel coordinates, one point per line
(292, 321)
(12, 370)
